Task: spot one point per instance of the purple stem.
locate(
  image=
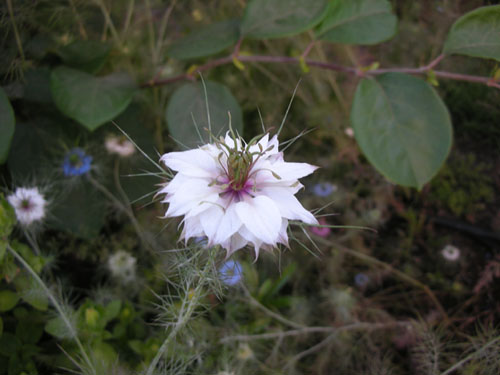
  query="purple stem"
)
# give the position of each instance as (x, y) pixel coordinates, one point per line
(328, 66)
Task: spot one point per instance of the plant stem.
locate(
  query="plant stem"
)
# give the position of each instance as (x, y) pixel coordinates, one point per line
(469, 357)
(188, 307)
(56, 304)
(400, 275)
(309, 330)
(327, 66)
(127, 210)
(16, 32)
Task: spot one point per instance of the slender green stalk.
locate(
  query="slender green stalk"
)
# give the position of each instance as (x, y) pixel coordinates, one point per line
(109, 21)
(56, 304)
(459, 364)
(16, 32)
(188, 307)
(125, 209)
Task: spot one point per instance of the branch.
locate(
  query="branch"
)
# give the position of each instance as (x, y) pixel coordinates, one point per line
(309, 330)
(327, 66)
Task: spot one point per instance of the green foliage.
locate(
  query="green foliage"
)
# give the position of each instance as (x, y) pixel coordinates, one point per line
(402, 126)
(358, 22)
(8, 300)
(206, 41)
(476, 34)
(187, 116)
(280, 18)
(92, 101)
(7, 221)
(7, 124)
(463, 186)
(79, 211)
(86, 55)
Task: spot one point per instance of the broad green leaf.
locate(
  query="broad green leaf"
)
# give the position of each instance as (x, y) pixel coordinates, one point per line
(402, 127)
(187, 114)
(9, 344)
(8, 300)
(90, 100)
(58, 328)
(476, 34)
(7, 218)
(86, 55)
(80, 211)
(37, 85)
(358, 22)
(31, 292)
(7, 122)
(279, 18)
(112, 310)
(206, 41)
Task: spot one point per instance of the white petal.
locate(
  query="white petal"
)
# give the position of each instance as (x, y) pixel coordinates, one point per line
(292, 171)
(261, 217)
(288, 205)
(228, 225)
(191, 195)
(197, 163)
(283, 236)
(233, 244)
(210, 220)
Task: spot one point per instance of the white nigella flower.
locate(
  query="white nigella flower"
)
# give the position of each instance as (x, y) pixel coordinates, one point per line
(120, 146)
(28, 204)
(236, 193)
(122, 265)
(450, 253)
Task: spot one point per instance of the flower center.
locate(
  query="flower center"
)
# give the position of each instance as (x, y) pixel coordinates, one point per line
(75, 161)
(239, 164)
(26, 204)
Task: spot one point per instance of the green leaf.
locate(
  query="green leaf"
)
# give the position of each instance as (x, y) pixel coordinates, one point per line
(358, 22)
(57, 328)
(9, 344)
(476, 34)
(112, 310)
(190, 100)
(7, 123)
(279, 18)
(79, 211)
(8, 300)
(86, 55)
(402, 126)
(7, 219)
(31, 292)
(206, 41)
(90, 100)
(37, 85)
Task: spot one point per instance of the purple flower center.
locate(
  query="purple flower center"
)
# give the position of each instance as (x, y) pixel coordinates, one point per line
(26, 205)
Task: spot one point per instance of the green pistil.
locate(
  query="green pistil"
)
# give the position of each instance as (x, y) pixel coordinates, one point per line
(75, 160)
(25, 204)
(239, 164)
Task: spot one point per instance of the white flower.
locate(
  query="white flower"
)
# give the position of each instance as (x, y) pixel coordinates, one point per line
(235, 193)
(120, 146)
(122, 265)
(450, 253)
(28, 204)
(349, 132)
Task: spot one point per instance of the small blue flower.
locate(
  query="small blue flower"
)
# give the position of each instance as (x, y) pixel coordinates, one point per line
(361, 280)
(324, 189)
(200, 240)
(76, 162)
(231, 272)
